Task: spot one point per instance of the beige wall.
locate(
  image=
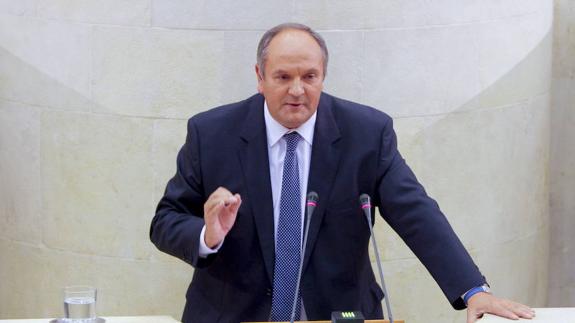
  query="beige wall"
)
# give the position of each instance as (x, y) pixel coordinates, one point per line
(93, 101)
(562, 262)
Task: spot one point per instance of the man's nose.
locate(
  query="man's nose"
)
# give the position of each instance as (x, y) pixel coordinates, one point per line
(296, 88)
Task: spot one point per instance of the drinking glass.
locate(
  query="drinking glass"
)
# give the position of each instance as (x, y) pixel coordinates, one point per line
(79, 304)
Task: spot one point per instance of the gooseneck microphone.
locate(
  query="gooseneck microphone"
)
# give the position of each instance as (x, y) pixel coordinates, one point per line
(365, 202)
(310, 204)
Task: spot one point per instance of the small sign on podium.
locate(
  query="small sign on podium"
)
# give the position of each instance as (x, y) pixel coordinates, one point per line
(347, 317)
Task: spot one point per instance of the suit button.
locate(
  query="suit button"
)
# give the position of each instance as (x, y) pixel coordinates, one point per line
(269, 292)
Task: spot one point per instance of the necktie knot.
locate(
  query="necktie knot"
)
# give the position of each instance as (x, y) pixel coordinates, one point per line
(292, 139)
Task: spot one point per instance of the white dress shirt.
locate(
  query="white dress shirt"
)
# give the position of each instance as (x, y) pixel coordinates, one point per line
(276, 154)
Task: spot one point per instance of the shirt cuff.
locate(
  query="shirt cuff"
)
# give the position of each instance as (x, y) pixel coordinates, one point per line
(205, 251)
(479, 289)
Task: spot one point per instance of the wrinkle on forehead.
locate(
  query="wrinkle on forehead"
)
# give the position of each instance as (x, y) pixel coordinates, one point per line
(294, 49)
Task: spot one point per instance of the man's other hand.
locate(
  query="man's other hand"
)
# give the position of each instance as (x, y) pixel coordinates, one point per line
(220, 212)
(482, 303)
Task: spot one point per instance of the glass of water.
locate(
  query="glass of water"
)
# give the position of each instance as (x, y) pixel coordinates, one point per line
(79, 304)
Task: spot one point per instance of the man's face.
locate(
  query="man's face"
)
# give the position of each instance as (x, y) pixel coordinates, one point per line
(293, 78)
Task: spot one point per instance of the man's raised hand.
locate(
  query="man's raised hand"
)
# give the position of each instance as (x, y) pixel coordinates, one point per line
(220, 211)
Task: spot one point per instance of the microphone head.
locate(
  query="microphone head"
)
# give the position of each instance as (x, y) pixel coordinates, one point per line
(365, 201)
(312, 198)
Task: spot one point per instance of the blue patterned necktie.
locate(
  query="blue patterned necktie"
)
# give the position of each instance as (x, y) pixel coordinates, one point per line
(288, 241)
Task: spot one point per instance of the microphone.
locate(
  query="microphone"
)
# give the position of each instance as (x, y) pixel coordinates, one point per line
(311, 203)
(365, 202)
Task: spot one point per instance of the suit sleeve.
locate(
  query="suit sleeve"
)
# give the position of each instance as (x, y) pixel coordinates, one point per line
(417, 219)
(178, 221)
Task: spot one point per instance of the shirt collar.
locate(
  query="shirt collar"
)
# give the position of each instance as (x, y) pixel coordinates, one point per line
(275, 130)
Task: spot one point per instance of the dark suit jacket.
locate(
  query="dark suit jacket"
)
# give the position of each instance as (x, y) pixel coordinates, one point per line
(354, 151)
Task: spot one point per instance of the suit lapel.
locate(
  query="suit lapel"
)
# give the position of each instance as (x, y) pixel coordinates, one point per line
(255, 165)
(325, 158)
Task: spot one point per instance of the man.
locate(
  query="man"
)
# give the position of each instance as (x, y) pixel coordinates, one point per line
(234, 209)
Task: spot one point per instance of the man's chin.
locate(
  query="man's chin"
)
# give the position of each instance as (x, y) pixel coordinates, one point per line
(292, 123)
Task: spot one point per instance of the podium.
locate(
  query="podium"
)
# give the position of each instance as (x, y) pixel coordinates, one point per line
(542, 315)
(366, 321)
(109, 319)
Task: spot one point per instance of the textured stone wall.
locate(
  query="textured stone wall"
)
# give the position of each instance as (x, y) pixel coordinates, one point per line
(562, 254)
(94, 96)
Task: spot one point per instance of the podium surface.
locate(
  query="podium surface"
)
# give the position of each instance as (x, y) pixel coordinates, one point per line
(366, 321)
(542, 315)
(109, 319)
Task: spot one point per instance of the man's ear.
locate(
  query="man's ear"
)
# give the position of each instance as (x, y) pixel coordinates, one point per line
(260, 79)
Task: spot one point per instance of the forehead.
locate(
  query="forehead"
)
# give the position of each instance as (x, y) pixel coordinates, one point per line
(294, 47)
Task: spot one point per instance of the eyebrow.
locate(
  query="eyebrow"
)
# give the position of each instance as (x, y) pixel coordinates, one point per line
(311, 70)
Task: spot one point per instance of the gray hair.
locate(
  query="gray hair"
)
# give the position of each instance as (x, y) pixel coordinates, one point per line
(270, 34)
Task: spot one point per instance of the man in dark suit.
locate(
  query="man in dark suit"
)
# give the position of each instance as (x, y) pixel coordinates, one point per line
(234, 209)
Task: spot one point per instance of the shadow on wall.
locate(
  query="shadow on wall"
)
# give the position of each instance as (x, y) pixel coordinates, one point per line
(77, 193)
(492, 154)
(25, 83)
(486, 163)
